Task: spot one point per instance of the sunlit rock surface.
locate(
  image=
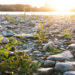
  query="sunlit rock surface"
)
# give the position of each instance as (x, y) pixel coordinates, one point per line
(66, 55)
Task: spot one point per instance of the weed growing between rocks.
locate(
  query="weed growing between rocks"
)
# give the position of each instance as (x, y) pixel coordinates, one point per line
(53, 51)
(67, 33)
(12, 19)
(41, 35)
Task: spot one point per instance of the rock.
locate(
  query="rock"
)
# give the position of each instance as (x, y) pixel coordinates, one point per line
(28, 36)
(45, 71)
(69, 73)
(65, 66)
(65, 55)
(24, 46)
(4, 40)
(37, 28)
(26, 51)
(7, 33)
(5, 22)
(71, 47)
(11, 27)
(49, 45)
(49, 63)
(38, 55)
(0, 26)
(11, 53)
(47, 53)
(72, 32)
(36, 52)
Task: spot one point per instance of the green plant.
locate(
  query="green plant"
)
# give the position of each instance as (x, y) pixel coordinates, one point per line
(53, 51)
(7, 18)
(17, 63)
(12, 19)
(50, 22)
(41, 35)
(66, 33)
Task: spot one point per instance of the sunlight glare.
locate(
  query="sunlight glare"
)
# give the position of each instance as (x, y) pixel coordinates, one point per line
(62, 5)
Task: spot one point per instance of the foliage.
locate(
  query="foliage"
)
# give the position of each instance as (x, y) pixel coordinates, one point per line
(13, 61)
(50, 22)
(12, 19)
(41, 35)
(67, 33)
(53, 51)
(7, 18)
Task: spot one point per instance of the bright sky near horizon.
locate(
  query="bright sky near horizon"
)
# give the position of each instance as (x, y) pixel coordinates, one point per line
(56, 4)
(37, 3)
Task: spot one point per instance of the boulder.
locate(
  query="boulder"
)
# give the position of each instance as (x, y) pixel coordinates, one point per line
(65, 55)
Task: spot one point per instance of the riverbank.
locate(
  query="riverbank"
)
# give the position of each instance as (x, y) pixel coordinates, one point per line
(49, 40)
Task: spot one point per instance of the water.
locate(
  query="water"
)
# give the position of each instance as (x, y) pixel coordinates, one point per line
(37, 13)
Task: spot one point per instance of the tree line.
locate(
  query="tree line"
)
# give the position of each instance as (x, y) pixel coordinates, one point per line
(20, 7)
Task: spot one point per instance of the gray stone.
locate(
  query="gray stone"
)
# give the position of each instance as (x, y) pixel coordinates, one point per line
(7, 33)
(28, 36)
(24, 46)
(49, 63)
(49, 45)
(65, 55)
(5, 22)
(37, 28)
(38, 55)
(11, 27)
(36, 52)
(65, 66)
(69, 73)
(71, 47)
(45, 71)
(0, 26)
(5, 40)
(26, 51)
(47, 53)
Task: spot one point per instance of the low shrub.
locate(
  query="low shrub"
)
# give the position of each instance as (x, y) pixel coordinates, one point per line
(15, 62)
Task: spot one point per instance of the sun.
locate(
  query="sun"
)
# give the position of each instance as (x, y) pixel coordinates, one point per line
(62, 5)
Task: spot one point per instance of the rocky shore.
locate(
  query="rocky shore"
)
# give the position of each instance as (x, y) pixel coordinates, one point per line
(57, 53)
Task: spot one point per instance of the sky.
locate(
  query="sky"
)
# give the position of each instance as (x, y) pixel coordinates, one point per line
(57, 4)
(37, 3)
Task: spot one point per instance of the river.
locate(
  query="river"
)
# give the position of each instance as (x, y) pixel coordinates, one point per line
(37, 13)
